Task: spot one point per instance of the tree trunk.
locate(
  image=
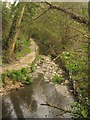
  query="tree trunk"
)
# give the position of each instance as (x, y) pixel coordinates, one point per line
(13, 42)
(89, 48)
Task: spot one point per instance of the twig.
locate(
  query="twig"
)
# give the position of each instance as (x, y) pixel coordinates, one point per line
(56, 57)
(78, 31)
(41, 14)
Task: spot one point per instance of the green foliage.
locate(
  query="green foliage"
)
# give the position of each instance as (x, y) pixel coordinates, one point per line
(78, 68)
(29, 80)
(24, 71)
(4, 75)
(53, 36)
(80, 111)
(6, 23)
(32, 67)
(22, 46)
(17, 76)
(10, 17)
(4, 78)
(58, 79)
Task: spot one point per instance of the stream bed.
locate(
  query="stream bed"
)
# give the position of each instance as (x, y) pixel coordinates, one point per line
(30, 101)
(26, 103)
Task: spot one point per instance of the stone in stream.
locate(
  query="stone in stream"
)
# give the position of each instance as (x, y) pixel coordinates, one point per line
(21, 85)
(46, 80)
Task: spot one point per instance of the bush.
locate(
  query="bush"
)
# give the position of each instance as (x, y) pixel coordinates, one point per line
(57, 79)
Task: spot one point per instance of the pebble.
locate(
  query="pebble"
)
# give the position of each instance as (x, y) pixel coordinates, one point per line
(46, 80)
(21, 85)
(51, 83)
(66, 82)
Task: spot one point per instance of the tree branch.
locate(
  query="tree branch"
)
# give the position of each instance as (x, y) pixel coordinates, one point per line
(85, 35)
(41, 14)
(74, 16)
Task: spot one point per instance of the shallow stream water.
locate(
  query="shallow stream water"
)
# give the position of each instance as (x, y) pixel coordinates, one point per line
(26, 103)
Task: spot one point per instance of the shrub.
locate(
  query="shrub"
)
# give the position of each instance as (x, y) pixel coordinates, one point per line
(57, 79)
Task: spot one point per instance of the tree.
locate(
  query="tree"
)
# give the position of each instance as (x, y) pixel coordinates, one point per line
(15, 28)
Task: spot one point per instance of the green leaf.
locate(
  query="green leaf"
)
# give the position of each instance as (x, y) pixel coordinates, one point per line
(84, 113)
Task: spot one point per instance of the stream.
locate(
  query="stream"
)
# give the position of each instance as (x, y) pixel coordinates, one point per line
(25, 103)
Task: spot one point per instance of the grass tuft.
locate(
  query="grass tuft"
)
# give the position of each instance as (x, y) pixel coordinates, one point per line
(57, 79)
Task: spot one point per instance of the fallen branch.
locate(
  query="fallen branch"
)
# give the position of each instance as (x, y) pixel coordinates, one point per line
(54, 106)
(56, 57)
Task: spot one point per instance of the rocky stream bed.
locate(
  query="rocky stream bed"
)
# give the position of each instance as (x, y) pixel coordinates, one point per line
(31, 101)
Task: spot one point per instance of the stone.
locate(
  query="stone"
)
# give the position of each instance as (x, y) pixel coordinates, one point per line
(45, 77)
(21, 85)
(66, 82)
(46, 80)
(51, 83)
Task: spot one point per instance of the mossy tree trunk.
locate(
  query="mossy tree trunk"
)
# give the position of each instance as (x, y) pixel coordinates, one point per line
(14, 31)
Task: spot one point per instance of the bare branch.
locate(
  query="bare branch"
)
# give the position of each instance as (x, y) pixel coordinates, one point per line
(41, 14)
(85, 35)
(74, 16)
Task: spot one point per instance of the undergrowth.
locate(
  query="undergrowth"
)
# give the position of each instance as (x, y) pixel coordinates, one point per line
(32, 67)
(78, 68)
(17, 76)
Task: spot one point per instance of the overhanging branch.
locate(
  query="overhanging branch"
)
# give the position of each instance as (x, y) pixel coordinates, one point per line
(41, 14)
(74, 16)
